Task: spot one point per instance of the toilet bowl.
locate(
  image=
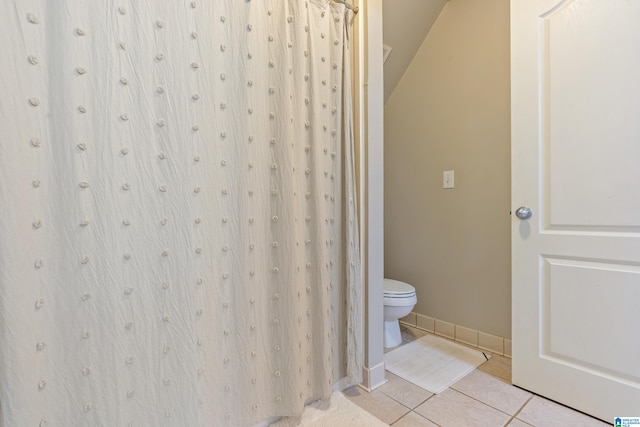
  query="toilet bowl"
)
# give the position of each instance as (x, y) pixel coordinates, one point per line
(399, 300)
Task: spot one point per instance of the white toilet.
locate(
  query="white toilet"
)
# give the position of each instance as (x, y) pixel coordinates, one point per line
(399, 300)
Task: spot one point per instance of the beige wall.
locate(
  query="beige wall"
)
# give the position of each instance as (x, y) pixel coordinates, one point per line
(406, 23)
(450, 111)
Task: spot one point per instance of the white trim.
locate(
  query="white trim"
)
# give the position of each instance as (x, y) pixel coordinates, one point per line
(373, 377)
(370, 88)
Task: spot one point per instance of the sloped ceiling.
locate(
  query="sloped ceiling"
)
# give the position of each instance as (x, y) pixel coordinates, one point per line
(405, 25)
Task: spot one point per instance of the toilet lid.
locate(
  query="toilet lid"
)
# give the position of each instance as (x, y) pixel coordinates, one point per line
(398, 289)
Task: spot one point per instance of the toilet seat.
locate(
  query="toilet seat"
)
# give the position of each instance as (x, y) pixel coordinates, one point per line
(397, 293)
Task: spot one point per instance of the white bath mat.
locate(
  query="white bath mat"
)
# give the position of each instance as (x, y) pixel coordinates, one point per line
(432, 363)
(336, 412)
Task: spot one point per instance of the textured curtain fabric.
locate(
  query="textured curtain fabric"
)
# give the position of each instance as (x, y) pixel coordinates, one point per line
(178, 232)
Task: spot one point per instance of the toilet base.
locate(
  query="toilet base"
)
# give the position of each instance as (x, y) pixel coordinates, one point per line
(392, 335)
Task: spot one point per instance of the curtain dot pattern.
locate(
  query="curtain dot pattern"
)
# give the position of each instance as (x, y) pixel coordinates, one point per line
(178, 231)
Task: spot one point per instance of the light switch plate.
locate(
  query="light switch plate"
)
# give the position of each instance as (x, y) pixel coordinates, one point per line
(447, 179)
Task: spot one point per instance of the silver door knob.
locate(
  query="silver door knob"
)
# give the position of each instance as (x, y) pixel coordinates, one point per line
(524, 212)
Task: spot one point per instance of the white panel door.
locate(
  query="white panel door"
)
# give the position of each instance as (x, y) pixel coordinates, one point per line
(576, 165)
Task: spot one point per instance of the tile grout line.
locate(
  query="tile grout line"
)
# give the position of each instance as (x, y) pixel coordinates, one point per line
(410, 408)
(485, 403)
(423, 416)
(515, 416)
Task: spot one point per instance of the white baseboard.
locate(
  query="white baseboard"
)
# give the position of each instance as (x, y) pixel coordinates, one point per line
(373, 377)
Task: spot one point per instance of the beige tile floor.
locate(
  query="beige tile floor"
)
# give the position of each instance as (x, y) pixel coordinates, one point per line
(485, 397)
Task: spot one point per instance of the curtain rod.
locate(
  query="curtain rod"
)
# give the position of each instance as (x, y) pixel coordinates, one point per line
(348, 5)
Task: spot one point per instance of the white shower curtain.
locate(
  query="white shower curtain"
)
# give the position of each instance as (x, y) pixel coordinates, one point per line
(178, 234)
